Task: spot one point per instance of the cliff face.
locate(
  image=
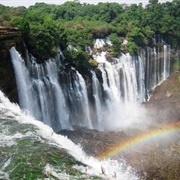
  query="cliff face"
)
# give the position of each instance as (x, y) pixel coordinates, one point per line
(9, 37)
(165, 100)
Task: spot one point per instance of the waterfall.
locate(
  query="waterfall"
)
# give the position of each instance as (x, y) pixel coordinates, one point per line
(122, 87)
(166, 61)
(98, 105)
(22, 79)
(39, 91)
(157, 66)
(18, 127)
(81, 94)
(108, 98)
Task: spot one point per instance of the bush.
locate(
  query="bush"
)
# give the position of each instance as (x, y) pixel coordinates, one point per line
(132, 47)
(116, 44)
(22, 24)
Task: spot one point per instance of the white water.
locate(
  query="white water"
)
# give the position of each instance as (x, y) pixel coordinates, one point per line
(108, 99)
(22, 79)
(39, 91)
(120, 85)
(14, 113)
(80, 83)
(157, 66)
(98, 106)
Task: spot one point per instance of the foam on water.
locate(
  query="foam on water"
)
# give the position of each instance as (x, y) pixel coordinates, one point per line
(107, 169)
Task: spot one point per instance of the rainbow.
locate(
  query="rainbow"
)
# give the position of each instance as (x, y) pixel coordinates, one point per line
(142, 137)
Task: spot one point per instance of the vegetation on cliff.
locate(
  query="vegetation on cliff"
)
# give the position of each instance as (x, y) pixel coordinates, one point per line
(45, 27)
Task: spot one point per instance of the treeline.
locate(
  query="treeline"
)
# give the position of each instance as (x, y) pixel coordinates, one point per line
(73, 24)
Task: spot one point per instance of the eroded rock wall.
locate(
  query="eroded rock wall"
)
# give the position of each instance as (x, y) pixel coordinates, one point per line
(9, 37)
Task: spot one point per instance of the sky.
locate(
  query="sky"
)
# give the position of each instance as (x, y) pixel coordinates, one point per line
(27, 3)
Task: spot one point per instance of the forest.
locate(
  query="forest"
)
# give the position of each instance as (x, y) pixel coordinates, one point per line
(46, 27)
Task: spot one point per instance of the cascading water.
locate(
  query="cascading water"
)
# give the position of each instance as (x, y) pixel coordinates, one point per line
(40, 92)
(76, 94)
(26, 145)
(65, 99)
(123, 82)
(157, 66)
(96, 95)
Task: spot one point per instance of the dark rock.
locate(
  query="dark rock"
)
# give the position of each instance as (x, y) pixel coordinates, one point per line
(9, 37)
(165, 100)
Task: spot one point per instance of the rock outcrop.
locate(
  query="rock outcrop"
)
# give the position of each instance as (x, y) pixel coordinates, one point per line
(9, 37)
(165, 100)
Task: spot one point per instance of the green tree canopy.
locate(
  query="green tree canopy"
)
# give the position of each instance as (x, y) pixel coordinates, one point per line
(45, 27)
(22, 24)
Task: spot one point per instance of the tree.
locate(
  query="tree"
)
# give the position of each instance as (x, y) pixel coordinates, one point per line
(132, 47)
(76, 58)
(116, 44)
(72, 23)
(22, 24)
(41, 43)
(135, 35)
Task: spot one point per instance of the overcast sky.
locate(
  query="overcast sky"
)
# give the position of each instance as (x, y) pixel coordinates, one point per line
(32, 2)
